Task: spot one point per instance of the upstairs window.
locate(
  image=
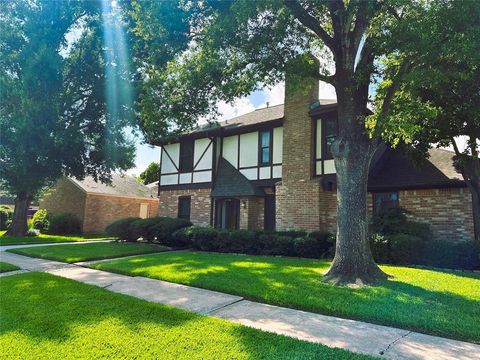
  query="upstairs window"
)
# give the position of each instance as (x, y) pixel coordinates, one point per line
(186, 156)
(383, 201)
(265, 148)
(330, 129)
(184, 206)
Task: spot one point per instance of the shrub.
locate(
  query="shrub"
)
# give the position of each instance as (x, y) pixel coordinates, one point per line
(317, 244)
(163, 230)
(40, 220)
(282, 245)
(290, 233)
(206, 238)
(121, 229)
(64, 224)
(141, 228)
(182, 237)
(238, 241)
(397, 240)
(452, 255)
(405, 249)
(5, 217)
(380, 248)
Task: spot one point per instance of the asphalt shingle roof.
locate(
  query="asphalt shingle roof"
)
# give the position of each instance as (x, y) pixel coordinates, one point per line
(125, 185)
(397, 169)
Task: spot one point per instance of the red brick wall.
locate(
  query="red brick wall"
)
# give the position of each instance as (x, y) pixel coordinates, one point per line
(448, 211)
(200, 205)
(101, 210)
(65, 197)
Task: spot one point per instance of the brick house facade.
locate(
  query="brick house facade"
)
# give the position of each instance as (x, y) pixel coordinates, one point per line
(272, 169)
(97, 205)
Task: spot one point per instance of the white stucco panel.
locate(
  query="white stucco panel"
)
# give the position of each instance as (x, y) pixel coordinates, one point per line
(230, 150)
(205, 160)
(174, 152)
(249, 149)
(277, 145)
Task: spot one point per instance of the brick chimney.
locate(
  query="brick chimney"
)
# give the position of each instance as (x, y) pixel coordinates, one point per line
(298, 195)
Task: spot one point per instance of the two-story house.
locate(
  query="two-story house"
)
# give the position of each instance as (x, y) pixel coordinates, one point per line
(272, 169)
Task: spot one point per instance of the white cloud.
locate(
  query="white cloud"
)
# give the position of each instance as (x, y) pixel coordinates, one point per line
(239, 107)
(274, 96)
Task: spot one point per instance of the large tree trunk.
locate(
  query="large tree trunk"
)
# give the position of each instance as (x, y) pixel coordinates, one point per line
(19, 225)
(353, 262)
(352, 151)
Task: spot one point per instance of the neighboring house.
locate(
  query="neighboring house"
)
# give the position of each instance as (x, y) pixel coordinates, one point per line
(9, 200)
(272, 169)
(97, 204)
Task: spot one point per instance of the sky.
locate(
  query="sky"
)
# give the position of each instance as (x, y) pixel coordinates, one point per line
(258, 99)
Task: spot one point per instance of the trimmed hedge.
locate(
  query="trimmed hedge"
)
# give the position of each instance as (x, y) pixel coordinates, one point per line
(64, 224)
(121, 229)
(156, 229)
(295, 243)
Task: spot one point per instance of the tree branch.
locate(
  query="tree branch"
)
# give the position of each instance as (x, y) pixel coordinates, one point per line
(396, 82)
(310, 22)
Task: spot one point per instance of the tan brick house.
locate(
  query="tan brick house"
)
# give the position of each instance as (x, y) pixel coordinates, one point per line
(96, 205)
(272, 168)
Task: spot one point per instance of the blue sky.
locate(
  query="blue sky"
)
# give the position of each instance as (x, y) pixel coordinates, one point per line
(258, 99)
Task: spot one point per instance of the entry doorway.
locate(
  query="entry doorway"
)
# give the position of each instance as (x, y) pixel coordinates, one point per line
(269, 212)
(227, 213)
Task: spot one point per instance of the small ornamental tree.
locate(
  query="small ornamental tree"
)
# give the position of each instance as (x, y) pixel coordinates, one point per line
(227, 49)
(53, 116)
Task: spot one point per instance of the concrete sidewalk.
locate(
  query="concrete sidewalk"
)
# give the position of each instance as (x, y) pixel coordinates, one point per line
(356, 336)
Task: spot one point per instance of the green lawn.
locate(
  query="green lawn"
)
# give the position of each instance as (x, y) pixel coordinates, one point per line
(5, 267)
(92, 323)
(43, 238)
(85, 252)
(434, 302)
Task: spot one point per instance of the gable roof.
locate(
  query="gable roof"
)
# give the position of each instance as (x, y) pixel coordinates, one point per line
(123, 185)
(230, 182)
(397, 170)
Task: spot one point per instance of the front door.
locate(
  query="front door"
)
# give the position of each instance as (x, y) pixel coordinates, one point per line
(227, 213)
(269, 214)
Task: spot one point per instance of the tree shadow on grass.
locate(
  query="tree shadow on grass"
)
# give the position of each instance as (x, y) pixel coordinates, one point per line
(297, 284)
(48, 316)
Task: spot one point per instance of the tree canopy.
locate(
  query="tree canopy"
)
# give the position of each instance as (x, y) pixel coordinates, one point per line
(53, 113)
(438, 103)
(151, 173)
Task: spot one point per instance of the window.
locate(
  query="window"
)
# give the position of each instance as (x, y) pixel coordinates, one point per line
(186, 156)
(265, 148)
(330, 129)
(384, 201)
(184, 205)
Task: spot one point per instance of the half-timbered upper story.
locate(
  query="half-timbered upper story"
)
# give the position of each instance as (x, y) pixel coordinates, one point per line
(251, 143)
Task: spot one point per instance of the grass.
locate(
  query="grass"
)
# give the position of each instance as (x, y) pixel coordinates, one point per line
(85, 252)
(433, 302)
(5, 267)
(93, 323)
(44, 238)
